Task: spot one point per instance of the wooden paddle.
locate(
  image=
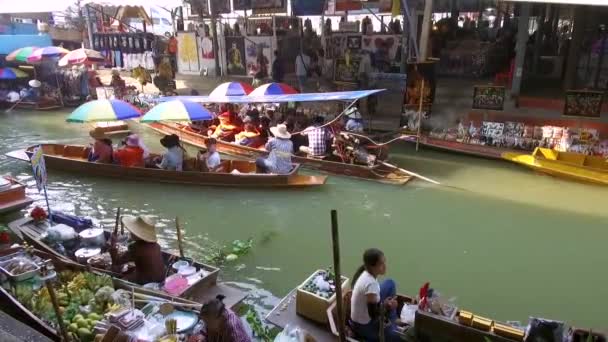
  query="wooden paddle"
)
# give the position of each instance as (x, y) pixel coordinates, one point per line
(412, 173)
(13, 106)
(179, 237)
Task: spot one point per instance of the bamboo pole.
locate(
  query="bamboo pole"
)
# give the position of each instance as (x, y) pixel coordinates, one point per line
(420, 114)
(337, 274)
(179, 237)
(53, 296)
(117, 221)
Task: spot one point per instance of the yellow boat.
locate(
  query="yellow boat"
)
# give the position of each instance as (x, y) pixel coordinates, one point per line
(570, 165)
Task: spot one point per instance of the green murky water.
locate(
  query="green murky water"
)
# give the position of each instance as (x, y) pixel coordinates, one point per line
(509, 245)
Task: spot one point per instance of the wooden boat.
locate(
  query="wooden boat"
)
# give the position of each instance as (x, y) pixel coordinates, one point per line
(16, 309)
(12, 195)
(481, 151)
(72, 158)
(201, 291)
(381, 173)
(569, 165)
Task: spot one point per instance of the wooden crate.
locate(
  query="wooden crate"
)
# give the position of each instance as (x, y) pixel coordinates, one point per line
(312, 306)
(508, 331)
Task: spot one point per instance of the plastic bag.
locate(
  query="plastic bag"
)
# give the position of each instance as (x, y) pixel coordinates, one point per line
(61, 232)
(408, 313)
(546, 330)
(293, 334)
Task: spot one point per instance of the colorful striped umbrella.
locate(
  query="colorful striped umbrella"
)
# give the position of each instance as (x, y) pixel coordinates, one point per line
(104, 110)
(81, 56)
(21, 55)
(46, 52)
(231, 89)
(11, 74)
(273, 89)
(177, 110)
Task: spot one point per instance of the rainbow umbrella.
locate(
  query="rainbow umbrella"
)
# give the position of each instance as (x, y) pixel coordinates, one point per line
(177, 110)
(273, 89)
(231, 89)
(104, 110)
(11, 74)
(21, 55)
(47, 52)
(81, 56)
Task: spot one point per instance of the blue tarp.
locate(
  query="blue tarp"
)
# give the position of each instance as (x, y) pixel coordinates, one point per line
(305, 97)
(10, 43)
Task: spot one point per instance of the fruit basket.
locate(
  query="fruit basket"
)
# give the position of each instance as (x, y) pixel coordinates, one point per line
(316, 294)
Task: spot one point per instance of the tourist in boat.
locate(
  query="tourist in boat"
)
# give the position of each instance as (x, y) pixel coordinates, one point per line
(354, 122)
(144, 251)
(227, 128)
(101, 150)
(173, 159)
(221, 323)
(318, 136)
(211, 161)
(369, 294)
(249, 136)
(132, 154)
(280, 149)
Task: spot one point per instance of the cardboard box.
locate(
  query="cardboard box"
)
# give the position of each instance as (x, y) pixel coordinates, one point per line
(313, 306)
(481, 323)
(508, 332)
(465, 317)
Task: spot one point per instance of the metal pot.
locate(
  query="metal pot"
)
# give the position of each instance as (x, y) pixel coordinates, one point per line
(92, 237)
(84, 254)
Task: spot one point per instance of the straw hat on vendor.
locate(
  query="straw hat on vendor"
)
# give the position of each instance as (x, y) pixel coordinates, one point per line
(142, 227)
(34, 83)
(353, 113)
(280, 131)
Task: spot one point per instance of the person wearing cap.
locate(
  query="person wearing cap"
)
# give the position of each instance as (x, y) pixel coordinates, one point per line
(221, 324)
(101, 150)
(279, 150)
(249, 136)
(173, 159)
(144, 250)
(354, 123)
(211, 158)
(132, 154)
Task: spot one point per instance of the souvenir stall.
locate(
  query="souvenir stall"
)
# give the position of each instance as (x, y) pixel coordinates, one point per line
(126, 50)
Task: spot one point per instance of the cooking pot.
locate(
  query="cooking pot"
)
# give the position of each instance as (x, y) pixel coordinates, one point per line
(84, 254)
(92, 237)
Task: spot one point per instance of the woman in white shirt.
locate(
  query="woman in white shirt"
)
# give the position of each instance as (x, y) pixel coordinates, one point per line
(369, 295)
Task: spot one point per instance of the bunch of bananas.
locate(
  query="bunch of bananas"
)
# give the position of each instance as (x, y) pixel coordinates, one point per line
(113, 307)
(77, 283)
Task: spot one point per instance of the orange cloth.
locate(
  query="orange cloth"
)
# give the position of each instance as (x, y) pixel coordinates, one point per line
(130, 156)
(226, 131)
(172, 46)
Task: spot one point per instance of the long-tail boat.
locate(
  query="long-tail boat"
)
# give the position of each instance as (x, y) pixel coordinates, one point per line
(236, 173)
(12, 195)
(380, 172)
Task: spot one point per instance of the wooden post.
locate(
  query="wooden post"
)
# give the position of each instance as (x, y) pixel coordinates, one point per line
(117, 222)
(338, 275)
(179, 237)
(49, 287)
(420, 114)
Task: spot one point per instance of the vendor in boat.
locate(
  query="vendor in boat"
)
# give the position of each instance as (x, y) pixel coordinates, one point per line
(221, 324)
(280, 149)
(118, 84)
(173, 159)
(210, 160)
(227, 128)
(144, 251)
(249, 136)
(101, 150)
(132, 154)
(354, 121)
(369, 295)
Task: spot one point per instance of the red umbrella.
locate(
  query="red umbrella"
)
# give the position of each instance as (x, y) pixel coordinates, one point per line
(81, 56)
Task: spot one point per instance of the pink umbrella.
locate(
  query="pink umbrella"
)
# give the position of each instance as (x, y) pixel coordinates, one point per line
(46, 52)
(81, 56)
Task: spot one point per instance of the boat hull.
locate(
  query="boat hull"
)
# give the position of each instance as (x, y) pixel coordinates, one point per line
(71, 158)
(559, 168)
(13, 198)
(380, 173)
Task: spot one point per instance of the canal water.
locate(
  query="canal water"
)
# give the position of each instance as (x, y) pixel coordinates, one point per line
(500, 240)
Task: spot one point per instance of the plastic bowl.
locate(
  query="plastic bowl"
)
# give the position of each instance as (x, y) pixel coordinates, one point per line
(179, 264)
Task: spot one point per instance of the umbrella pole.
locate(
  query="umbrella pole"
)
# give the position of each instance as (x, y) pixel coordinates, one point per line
(59, 88)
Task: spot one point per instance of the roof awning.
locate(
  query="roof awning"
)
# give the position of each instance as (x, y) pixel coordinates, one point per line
(306, 97)
(566, 2)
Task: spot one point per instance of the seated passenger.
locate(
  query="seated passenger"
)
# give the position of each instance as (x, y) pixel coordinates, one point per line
(354, 122)
(211, 159)
(226, 130)
(318, 136)
(132, 154)
(280, 149)
(101, 151)
(367, 297)
(173, 159)
(250, 136)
